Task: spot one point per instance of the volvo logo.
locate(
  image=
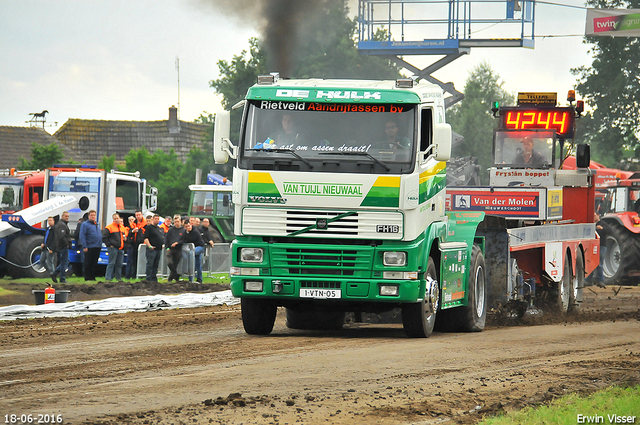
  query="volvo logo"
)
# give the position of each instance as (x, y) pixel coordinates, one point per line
(268, 199)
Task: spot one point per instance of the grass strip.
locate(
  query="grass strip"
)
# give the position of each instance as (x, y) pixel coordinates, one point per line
(6, 292)
(609, 406)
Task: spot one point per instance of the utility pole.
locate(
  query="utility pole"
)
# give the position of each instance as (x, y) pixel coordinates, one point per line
(178, 70)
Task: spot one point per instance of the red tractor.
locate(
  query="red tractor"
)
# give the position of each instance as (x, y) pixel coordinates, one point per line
(620, 233)
(617, 204)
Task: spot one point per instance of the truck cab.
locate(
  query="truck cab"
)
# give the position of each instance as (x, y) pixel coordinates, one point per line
(11, 189)
(107, 193)
(213, 201)
(339, 196)
(20, 189)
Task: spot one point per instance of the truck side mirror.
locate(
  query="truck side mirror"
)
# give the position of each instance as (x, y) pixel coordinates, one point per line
(152, 198)
(222, 147)
(225, 200)
(583, 156)
(442, 141)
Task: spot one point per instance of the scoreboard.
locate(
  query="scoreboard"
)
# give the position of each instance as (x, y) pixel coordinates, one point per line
(560, 119)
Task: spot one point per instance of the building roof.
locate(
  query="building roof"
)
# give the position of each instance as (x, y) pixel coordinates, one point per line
(15, 142)
(93, 139)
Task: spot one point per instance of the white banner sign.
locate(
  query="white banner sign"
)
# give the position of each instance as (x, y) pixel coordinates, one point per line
(613, 22)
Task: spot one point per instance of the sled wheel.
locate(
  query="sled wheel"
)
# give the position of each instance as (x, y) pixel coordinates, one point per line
(577, 284)
(564, 288)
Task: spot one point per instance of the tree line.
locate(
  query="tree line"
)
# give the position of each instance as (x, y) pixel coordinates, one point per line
(163, 170)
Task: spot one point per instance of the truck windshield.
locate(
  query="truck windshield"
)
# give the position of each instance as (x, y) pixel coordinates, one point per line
(203, 202)
(75, 184)
(362, 138)
(524, 149)
(11, 197)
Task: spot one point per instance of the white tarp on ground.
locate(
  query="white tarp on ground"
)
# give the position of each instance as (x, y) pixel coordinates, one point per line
(117, 305)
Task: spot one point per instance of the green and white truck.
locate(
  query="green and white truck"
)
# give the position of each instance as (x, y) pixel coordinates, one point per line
(339, 194)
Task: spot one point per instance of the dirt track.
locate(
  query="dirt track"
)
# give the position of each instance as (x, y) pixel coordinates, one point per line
(198, 366)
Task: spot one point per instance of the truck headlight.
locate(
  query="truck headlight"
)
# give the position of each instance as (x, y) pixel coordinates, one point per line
(389, 290)
(394, 258)
(253, 286)
(251, 255)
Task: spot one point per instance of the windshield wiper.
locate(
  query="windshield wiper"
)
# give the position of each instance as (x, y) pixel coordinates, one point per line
(368, 155)
(284, 150)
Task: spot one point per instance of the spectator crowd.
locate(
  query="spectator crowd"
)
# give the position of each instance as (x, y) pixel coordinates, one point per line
(123, 240)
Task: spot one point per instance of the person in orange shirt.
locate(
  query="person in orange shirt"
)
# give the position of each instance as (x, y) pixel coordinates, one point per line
(113, 238)
(135, 238)
(166, 224)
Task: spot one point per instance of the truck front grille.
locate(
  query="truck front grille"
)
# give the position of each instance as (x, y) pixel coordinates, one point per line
(282, 222)
(329, 261)
(300, 220)
(324, 284)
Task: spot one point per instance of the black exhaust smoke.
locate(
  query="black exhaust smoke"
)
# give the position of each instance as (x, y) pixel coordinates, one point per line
(282, 23)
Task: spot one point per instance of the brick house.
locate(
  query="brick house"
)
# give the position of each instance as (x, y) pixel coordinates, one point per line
(90, 140)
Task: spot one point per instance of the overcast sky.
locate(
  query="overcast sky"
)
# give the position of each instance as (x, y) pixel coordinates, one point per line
(115, 59)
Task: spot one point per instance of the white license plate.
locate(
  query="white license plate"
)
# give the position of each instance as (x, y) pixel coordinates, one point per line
(320, 293)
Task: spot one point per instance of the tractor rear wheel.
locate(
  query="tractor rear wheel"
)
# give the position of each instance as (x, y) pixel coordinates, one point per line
(621, 254)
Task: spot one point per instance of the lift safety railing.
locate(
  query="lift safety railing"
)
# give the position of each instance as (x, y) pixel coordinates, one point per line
(446, 25)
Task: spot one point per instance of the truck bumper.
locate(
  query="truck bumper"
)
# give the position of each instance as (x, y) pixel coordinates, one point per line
(288, 289)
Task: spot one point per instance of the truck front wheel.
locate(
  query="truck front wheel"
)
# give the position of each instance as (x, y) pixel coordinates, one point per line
(419, 318)
(258, 315)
